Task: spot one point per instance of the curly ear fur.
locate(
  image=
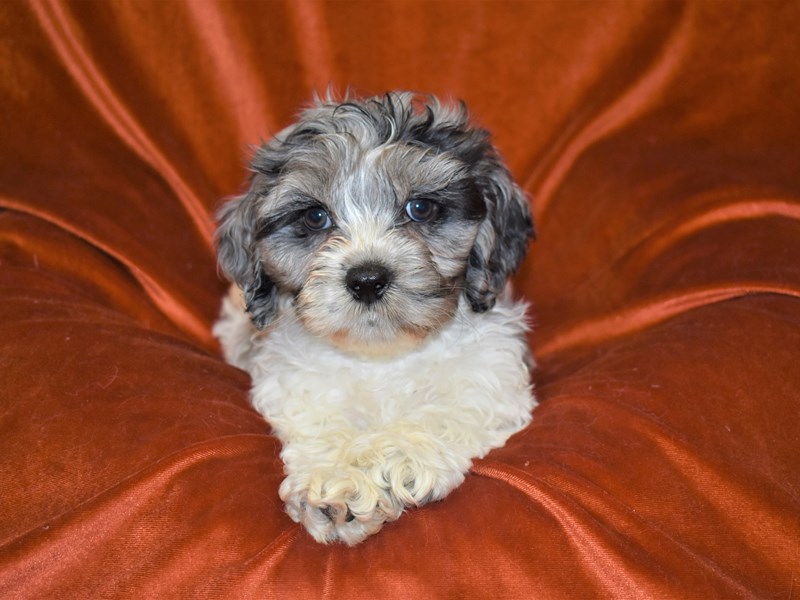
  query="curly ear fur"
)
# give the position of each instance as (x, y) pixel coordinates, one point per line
(502, 239)
(237, 256)
(236, 236)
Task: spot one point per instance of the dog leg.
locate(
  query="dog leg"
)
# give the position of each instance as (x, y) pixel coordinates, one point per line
(337, 503)
(350, 490)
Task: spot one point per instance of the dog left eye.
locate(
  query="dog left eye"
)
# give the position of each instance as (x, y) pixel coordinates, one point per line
(421, 209)
(317, 219)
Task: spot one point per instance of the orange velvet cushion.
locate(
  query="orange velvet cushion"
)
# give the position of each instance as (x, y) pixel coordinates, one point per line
(659, 143)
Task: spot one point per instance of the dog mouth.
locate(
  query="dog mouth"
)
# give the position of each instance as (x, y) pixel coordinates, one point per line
(382, 322)
(376, 307)
(393, 323)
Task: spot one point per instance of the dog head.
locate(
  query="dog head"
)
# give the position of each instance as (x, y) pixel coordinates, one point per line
(373, 217)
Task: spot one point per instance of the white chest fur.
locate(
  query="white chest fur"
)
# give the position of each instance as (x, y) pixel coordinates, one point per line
(365, 437)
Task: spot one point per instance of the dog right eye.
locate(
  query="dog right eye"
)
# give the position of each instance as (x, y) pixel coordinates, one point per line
(317, 219)
(421, 210)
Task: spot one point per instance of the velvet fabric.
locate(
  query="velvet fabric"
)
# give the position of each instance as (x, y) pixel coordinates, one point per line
(660, 144)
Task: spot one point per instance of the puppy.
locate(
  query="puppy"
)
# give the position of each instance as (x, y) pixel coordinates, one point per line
(370, 255)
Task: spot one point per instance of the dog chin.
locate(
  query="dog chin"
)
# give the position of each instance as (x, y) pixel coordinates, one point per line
(374, 334)
(377, 339)
(382, 348)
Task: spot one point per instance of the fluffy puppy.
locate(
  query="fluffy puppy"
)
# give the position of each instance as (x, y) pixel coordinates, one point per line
(370, 256)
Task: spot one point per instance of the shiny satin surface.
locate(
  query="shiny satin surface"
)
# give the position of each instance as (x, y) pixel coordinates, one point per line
(660, 144)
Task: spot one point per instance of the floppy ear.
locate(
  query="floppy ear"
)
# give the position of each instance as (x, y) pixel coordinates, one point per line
(503, 235)
(237, 254)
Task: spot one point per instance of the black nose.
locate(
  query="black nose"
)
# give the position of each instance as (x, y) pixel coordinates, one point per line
(368, 283)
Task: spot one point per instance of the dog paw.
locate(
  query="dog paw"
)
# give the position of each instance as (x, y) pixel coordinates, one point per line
(338, 504)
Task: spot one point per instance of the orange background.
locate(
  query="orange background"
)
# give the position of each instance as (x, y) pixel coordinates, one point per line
(659, 142)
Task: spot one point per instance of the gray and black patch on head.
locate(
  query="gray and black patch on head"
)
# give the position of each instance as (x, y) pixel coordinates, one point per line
(400, 181)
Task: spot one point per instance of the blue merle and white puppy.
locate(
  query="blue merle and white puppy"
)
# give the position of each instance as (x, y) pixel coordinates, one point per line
(370, 257)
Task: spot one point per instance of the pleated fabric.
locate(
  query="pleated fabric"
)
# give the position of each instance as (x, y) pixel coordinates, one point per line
(660, 145)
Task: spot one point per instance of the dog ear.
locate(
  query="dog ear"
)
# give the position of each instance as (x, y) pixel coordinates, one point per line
(237, 233)
(237, 254)
(503, 235)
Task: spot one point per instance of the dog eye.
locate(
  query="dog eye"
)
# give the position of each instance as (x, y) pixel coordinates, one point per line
(317, 219)
(421, 209)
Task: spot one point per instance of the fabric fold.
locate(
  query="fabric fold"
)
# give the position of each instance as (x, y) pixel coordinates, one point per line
(59, 28)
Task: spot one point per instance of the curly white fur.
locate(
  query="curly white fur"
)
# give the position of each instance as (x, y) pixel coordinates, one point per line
(363, 438)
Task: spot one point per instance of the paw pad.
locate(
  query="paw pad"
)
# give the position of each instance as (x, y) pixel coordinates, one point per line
(332, 514)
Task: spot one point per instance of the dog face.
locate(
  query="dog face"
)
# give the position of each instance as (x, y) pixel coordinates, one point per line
(372, 218)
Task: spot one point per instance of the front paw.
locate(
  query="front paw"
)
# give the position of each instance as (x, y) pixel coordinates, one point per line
(338, 504)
